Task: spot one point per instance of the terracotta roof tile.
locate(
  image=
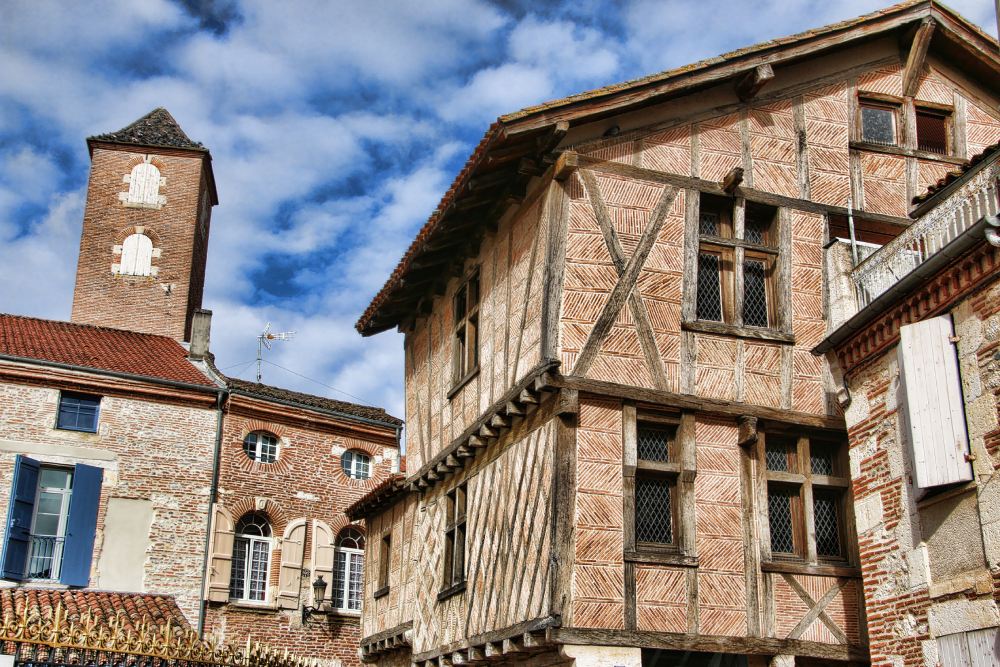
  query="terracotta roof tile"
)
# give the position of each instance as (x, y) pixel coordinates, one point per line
(99, 348)
(955, 174)
(103, 605)
(266, 391)
(157, 128)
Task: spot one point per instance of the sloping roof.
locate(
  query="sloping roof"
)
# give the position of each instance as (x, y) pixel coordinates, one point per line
(384, 493)
(268, 392)
(517, 137)
(157, 128)
(99, 348)
(956, 174)
(102, 605)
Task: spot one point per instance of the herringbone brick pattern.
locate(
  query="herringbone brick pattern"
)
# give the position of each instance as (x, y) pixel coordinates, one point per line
(661, 598)
(721, 146)
(772, 148)
(827, 112)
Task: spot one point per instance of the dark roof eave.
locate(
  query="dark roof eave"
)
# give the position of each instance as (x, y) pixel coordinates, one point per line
(394, 423)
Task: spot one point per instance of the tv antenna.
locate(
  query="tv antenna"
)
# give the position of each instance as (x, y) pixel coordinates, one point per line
(264, 340)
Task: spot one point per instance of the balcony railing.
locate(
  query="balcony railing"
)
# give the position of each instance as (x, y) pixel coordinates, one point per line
(44, 557)
(971, 202)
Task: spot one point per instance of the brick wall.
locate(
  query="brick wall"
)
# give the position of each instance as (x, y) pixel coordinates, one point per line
(155, 451)
(305, 482)
(907, 606)
(161, 303)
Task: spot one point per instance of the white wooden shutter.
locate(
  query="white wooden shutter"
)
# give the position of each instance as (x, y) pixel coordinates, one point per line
(221, 556)
(322, 555)
(935, 413)
(137, 255)
(290, 573)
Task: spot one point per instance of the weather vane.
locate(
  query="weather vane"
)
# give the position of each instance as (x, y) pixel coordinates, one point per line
(264, 340)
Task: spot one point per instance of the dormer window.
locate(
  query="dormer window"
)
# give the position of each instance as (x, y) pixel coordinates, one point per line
(144, 186)
(137, 256)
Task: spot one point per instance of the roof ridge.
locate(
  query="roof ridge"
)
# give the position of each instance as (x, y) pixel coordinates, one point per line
(249, 385)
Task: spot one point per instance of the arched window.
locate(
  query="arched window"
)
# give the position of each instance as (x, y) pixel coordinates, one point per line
(261, 446)
(348, 569)
(356, 464)
(144, 185)
(251, 558)
(137, 256)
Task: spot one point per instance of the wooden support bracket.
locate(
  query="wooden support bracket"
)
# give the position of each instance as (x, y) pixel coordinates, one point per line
(748, 85)
(747, 433)
(917, 56)
(732, 180)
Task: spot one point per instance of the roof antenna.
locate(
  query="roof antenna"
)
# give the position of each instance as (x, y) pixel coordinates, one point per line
(264, 340)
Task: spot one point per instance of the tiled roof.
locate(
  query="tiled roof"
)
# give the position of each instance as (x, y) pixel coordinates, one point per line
(103, 605)
(266, 392)
(157, 128)
(379, 497)
(955, 174)
(99, 348)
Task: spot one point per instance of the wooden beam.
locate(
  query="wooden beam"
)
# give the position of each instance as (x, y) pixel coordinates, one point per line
(917, 56)
(748, 85)
(747, 433)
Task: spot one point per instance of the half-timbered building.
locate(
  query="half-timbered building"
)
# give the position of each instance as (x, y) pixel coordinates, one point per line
(620, 448)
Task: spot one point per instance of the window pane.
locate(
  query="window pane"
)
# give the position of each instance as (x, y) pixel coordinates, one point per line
(708, 223)
(709, 292)
(754, 293)
(779, 514)
(932, 131)
(339, 571)
(821, 458)
(261, 447)
(460, 304)
(776, 456)
(257, 586)
(55, 478)
(653, 444)
(878, 126)
(652, 511)
(826, 514)
(78, 413)
(236, 582)
(356, 580)
(356, 465)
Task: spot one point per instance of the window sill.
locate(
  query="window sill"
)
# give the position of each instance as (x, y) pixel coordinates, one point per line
(822, 570)
(658, 557)
(451, 591)
(722, 329)
(380, 593)
(464, 381)
(905, 152)
(76, 430)
(259, 607)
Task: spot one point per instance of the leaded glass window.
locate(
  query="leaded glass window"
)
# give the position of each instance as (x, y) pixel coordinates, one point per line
(754, 293)
(653, 443)
(709, 288)
(779, 515)
(826, 514)
(251, 558)
(454, 537)
(653, 519)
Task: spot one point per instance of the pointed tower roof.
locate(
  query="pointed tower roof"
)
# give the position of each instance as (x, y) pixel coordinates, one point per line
(157, 128)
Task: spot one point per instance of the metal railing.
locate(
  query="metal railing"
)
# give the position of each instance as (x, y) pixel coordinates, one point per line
(51, 639)
(44, 557)
(971, 202)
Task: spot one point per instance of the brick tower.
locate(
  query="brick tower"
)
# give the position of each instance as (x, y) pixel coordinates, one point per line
(145, 229)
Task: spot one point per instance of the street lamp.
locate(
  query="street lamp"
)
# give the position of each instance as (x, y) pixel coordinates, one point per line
(319, 590)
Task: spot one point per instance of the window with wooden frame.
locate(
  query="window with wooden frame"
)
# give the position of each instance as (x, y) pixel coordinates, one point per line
(656, 473)
(807, 497)
(933, 130)
(879, 121)
(384, 560)
(453, 580)
(737, 263)
(466, 331)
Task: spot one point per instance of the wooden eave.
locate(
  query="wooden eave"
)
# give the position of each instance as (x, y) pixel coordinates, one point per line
(529, 137)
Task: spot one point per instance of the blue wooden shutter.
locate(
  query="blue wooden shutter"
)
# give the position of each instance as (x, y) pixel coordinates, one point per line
(81, 525)
(22, 508)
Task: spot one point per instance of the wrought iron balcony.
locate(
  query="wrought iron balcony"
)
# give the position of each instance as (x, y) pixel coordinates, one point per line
(971, 201)
(44, 557)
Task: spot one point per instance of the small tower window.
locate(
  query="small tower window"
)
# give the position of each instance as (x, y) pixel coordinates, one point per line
(144, 187)
(137, 256)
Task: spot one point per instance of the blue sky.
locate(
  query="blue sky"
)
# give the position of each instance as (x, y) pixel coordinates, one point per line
(334, 129)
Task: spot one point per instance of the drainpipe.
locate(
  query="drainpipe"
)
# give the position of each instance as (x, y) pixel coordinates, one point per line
(220, 403)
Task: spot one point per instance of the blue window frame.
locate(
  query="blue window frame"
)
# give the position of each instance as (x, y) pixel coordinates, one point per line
(78, 412)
